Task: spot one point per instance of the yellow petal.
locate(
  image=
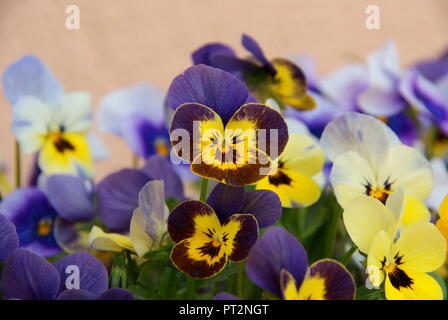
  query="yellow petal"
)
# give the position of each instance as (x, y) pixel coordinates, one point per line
(364, 217)
(421, 246)
(424, 287)
(415, 211)
(377, 258)
(102, 241)
(141, 241)
(443, 211)
(302, 154)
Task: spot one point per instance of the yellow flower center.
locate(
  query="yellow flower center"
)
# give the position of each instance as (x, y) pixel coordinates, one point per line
(161, 148)
(44, 227)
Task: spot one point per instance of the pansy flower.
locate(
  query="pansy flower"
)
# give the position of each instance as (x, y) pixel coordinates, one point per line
(279, 78)
(369, 159)
(148, 225)
(278, 263)
(27, 276)
(9, 240)
(224, 228)
(34, 216)
(117, 194)
(402, 264)
(136, 114)
(48, 121)
(218, 129)
(292, 175)
(442, 223)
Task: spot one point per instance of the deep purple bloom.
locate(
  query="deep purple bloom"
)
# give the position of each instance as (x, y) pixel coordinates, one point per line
(278, 263)
(33, 215)
(27, 276)
(9, 240)
(117, 193)
(263, 204)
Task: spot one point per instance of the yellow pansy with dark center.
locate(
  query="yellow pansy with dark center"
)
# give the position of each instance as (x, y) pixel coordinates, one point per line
(204, 243)
(381, 193)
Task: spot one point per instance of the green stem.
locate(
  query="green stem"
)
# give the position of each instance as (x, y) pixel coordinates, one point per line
(204, 187)
(18, 165)
(240, 281)
(331, 232)
(191, 288)
(346, 259)
(135, 161)
(4, 184)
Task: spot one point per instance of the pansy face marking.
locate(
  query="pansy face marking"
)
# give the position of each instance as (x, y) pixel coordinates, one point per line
(381, 192)
(204, 243)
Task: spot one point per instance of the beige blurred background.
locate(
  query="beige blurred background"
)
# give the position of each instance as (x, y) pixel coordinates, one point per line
(122, 42)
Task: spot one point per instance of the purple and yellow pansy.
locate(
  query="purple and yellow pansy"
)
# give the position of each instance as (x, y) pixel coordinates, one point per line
(207, 235)
(220, 130)
(278, 263)
(278, 78)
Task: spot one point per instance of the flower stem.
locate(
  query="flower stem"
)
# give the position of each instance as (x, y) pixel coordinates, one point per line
(332, 231)
(4, 184)
(346, 259)
(240, 281)
(18, 166)
(204, 187)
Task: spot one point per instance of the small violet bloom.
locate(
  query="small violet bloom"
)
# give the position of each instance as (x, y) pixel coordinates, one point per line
(278, 263)
(27, 276)
(217, 128)
(9, 240)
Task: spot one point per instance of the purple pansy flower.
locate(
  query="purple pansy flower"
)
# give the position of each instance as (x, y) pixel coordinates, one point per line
(34, 216)
(434, 69)
(27, 276)
(117, 193)
(278, 263)
(137, 115)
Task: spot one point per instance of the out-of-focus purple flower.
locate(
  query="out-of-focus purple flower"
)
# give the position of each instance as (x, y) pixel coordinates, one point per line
(27, 276)
(9, 240)
(429, 98)
(434, 69)
(278, 263)
(117, 193)
(33, 215)
(137, 115)
(225, 296)
(285, 81)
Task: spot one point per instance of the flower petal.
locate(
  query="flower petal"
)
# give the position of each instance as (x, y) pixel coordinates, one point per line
(377, 258)
(364, 217)
(253, 47)
(70, 197)
(160, 168)
(92, 274)
(264, 205)
(424, 287)
(361, 133)
(99, 240)
(421, 246)
(338, 282)
(75, 112)
(242, 233)
(214, 88)
(118, 197)
(116, 294)
(191, 217)
(289, 286)
(204, 54)
(225, 296)
(274, 251)
(9, 240)
(29, 76)
(415, 211)
(76, 294)
(27, 276)
(191, 126)
(226, 200)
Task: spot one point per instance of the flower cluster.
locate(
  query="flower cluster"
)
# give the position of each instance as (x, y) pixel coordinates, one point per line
(252, 178)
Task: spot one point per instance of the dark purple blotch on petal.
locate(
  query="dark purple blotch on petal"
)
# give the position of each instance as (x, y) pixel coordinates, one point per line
(27, 276)
(92, 273)
(277, 249)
